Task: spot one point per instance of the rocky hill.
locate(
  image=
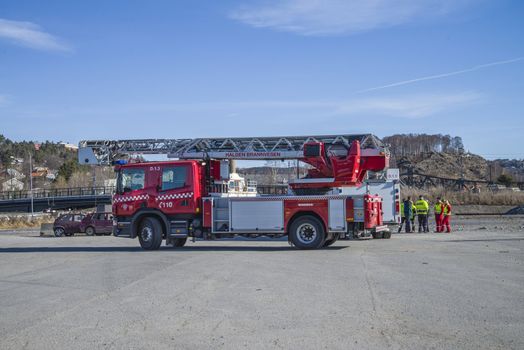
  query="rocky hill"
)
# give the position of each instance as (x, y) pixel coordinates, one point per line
(447, 165)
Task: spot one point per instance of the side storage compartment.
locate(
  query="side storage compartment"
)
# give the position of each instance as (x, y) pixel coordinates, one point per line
(257, 215)
(221, 215)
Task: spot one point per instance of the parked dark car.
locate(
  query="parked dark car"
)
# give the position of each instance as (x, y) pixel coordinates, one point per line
(97, 224)
(67, 224)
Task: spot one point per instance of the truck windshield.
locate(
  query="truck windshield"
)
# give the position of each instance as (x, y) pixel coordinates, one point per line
(130, 180)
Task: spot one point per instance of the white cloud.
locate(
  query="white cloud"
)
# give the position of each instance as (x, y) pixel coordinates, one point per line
(410, 106)
(405, 106)
(443, 75)
(30, 35)
(337, 17)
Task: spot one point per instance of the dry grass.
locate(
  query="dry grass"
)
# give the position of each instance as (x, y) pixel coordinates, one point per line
(23, 221)
(461, 198)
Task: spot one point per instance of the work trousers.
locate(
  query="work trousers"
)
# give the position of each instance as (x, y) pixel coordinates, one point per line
(438, 222)
(423, 223)
(407, 222)
(446, 223)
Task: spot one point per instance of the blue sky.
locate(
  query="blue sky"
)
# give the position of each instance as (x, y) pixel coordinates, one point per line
(72, 70)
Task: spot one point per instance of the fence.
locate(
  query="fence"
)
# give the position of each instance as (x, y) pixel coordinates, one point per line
(58, 192)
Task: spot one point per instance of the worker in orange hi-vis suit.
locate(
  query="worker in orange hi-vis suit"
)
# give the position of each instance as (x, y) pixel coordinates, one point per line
(447, 217)
(439, 215)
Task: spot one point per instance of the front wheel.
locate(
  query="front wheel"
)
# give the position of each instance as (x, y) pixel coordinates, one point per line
(90, 231)
(59, 232)
(307, 232)
(150, 234)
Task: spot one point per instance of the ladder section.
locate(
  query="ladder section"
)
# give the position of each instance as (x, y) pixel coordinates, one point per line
(221, 215)
(248, 148)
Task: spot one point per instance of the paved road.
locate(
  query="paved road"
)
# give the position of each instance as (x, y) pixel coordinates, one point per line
(460, 291)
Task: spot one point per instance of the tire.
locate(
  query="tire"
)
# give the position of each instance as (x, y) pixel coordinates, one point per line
(150, 234)
(90, 231)
(377, 235)
(179, 242)
(382, 235)
(58, 231)
(329, 242)
(307, 232)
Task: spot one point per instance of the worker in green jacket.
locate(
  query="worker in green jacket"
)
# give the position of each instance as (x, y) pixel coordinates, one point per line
(402, 217)
(422, 207)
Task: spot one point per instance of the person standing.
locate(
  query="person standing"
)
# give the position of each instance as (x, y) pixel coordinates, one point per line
(407, 207)
(414, 211)
(439, 213)
(446, 217)
(422, 213)
(402, 217)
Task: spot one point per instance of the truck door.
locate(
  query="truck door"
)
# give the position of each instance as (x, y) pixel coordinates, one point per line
(175, 195)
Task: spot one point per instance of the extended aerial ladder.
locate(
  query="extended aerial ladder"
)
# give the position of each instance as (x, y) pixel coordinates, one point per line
(337, 160)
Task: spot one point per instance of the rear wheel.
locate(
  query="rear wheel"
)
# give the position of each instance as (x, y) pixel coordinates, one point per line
(90, 231)
(179, 242)
(307, 232)
(382, 235)
(150, 234)
(59, 232)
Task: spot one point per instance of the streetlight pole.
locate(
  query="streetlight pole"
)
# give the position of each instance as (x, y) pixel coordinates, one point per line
(31, 184)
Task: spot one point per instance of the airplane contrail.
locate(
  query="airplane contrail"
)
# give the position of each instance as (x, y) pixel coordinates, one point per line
(443, 75)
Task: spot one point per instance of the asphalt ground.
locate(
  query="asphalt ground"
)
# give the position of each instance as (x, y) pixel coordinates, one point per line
(464, 290)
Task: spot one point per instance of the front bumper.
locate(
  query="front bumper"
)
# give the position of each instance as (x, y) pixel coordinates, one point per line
(121, 228)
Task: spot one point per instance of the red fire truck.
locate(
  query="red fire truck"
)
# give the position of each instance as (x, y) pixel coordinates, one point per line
(196, 196)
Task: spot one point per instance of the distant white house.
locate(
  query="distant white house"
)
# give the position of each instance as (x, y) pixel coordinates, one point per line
(17, 160)
(69, 146)
(12, 185)
(110, 183)
(13, 173)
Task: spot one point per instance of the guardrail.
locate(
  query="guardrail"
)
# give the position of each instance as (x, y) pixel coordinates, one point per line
(58, 192)
(103, 191)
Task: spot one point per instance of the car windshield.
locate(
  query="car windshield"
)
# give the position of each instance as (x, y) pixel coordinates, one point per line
(130, 179)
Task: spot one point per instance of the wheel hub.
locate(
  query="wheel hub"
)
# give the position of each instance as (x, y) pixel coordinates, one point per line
(306, 233)
(146, 234)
